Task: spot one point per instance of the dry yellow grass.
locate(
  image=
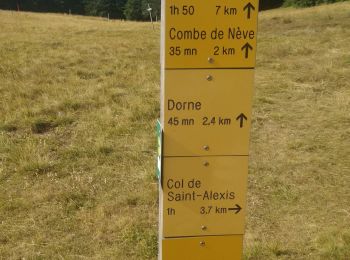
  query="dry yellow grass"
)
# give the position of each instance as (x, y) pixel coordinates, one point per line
(299, 193)
(79, 100)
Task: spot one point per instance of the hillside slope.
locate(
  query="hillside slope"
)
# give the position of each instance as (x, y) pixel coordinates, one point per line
(79, 100)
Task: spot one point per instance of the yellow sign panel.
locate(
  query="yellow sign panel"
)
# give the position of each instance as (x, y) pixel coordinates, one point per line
(208, 55)
(203, 248)
(204, 195)
(210, 34)
(207, 112)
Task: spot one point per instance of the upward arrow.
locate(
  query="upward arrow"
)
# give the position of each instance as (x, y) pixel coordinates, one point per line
(249, 7)
(246, 47)
(241, 119)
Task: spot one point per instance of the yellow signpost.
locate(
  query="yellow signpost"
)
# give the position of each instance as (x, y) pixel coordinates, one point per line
(223, 30)
(208, 59)
(196, 108)
(204, 195)
(203, 248)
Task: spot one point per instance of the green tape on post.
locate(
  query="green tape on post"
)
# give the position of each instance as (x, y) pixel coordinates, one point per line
(159, 132)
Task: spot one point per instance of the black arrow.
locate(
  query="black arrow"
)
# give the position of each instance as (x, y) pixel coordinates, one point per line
(241, 119)
(249, 7)
(237, 209)
(246, 47)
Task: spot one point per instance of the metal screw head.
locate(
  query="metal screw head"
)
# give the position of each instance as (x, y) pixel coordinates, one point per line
(204, 228)
(209, 77)
(202, 243)
(206, 164)
(210, 60)
(206, 147)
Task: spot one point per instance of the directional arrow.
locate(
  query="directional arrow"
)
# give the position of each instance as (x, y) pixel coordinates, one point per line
(249, 7)
(237, 209)
(246, 47)
(241, 119)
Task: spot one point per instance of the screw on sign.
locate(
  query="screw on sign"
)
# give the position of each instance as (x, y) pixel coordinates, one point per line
(208, 61)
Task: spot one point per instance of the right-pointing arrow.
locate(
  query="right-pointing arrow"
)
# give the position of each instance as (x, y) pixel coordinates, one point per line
(237, 209)
(246, 47)
(241, 119)
(249, 7)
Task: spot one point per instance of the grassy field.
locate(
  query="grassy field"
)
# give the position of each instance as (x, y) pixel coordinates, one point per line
(79, 101)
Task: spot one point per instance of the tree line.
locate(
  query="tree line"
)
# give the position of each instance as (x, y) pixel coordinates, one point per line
(123, 9)
(115, 9)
